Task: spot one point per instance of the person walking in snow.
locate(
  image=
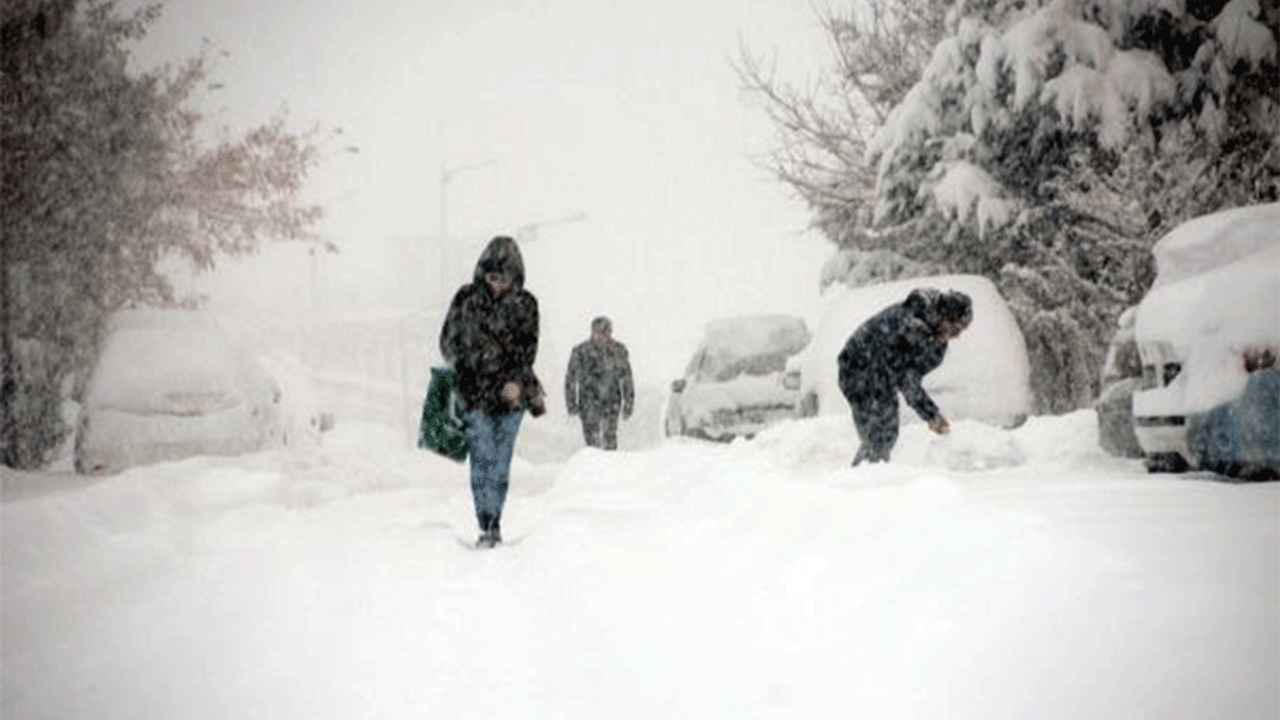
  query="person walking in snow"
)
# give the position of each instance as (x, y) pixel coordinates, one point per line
(598, 385)
(490, 337)
(891, 353)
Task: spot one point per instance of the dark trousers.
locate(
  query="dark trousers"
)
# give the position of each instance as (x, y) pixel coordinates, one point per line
(600, 428)
(875, 415)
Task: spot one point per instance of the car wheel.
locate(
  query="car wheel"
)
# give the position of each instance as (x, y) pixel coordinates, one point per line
(673, 426)
(809, 405)
(1166, 463)
(1260, 474)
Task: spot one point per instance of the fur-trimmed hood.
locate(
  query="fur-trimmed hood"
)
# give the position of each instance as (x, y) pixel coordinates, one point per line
(493, 340)
(501, 255)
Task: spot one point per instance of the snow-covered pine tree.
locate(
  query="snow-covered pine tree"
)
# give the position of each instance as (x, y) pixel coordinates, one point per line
(1019, 155)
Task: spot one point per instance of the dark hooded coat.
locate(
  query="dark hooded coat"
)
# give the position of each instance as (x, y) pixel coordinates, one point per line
(892, 352)
(491, 341)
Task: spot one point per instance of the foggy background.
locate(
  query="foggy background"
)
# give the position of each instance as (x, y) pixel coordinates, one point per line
(613, 139)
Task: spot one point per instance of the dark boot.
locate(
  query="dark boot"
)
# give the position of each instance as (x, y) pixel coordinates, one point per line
(870, 454)
(861, 455)
(487, 523)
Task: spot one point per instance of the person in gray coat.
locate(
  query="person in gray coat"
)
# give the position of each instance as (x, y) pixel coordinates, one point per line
(890, 354)
(598, 386)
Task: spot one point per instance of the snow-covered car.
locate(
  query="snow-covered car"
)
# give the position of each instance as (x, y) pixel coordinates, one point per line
(1121, 378)
(1208, 333)
(170, 384)
(985, 376)
(735, 383)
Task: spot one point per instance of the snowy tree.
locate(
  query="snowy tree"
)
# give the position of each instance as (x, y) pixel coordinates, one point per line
(880, 49)
(1048, 143)
(103, 177)
(1021, 154)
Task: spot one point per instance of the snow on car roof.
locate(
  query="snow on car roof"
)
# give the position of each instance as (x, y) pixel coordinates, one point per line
(1216, 295)
(149, 354)
(1235, 304)
(1218, 277)
(1215, 240)
(748, 335)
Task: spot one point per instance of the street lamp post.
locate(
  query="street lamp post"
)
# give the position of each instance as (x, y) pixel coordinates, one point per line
(321, 245)
(447, 174)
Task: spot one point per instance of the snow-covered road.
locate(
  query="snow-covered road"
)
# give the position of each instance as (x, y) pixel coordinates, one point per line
(990, 574)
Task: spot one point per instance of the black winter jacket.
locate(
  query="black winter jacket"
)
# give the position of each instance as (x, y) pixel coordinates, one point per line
(491, 341)
(599, 379)
(892, 352)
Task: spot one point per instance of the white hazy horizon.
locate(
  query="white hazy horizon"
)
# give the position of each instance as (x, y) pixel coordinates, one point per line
(630, 118)
(620, 132)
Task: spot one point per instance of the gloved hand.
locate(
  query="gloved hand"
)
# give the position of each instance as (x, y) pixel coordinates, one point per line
(538, 405)
(510, 393)
(940, 425)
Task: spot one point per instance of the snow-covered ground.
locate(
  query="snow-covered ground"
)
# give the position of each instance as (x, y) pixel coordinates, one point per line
(988, 574)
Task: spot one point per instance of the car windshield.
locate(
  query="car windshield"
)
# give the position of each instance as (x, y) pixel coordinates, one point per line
(752, 345)
(724, 366)
(1122, 361)
(152, 370)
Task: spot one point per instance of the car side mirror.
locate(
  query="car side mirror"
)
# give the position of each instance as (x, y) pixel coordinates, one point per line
(677, 386)
(791, 380)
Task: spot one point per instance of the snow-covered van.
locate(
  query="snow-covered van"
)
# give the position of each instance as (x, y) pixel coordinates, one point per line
(985, 376)
(1208, 332)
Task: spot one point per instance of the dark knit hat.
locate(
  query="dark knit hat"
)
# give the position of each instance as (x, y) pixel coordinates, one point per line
(955, 307)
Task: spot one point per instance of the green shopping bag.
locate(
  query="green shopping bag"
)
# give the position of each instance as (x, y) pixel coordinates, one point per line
(441, 430)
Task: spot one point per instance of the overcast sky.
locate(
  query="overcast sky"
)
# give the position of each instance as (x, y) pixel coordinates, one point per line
(625, 109)
(627, 112)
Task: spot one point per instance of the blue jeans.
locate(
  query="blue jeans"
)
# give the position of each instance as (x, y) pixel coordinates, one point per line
(493, 442)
